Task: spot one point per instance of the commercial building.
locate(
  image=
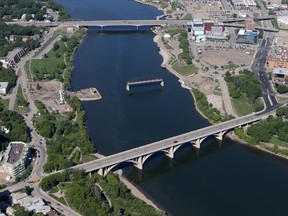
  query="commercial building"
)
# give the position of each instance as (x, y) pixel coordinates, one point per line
(247, 36)
(279, 75)
(4, 87)
(16, 158)
(278, 59)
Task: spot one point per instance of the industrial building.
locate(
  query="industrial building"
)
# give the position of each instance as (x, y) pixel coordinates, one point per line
(15, 158)
(4, 87)
(247, 36)
(196, 27)
(206, 29)
(279, 75)
(279, 59)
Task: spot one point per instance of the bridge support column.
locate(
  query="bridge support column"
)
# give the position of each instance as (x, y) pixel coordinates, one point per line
(128, 87)
(139, 161)
(196, 143)
(162, 83)
(104, 171)
(170, 151)
(220, 135)
(102, 28)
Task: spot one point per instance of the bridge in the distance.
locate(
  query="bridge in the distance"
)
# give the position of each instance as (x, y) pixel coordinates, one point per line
(138, 156)
(136, 23)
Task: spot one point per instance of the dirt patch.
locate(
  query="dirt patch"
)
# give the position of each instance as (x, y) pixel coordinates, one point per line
(49, 94)
(223, 56)
(280, 39)
(3, 176)
(217, 102)
(205, 10)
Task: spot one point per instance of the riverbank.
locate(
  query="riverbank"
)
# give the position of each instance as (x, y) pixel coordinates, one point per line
(136, 192)
(166, 55)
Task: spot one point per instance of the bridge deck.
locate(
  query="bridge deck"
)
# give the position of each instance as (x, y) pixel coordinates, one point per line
(170, 142)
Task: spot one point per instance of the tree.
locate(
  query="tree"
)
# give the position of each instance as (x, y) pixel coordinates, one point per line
(27, 190)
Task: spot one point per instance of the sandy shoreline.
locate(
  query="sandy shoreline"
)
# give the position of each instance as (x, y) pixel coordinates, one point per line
(136, 192)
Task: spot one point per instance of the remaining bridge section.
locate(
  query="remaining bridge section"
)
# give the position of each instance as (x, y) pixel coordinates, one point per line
(144, 83)
(139, 155)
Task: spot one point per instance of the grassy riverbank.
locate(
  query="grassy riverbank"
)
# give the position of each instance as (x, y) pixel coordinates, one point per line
(269, 134)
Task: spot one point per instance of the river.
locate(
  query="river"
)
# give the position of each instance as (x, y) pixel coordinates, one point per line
(223, 178)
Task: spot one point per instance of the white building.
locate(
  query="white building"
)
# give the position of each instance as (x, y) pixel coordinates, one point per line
(4, 87)
(30, 203)
(38, 206)
(6, 63)
(16, 158)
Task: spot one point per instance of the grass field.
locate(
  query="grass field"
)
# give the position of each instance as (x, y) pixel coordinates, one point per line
(242, 107)
(276, 141)
(51, 67)
(184, 70)
(231, 66)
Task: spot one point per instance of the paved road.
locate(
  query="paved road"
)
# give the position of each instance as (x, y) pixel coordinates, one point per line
(38, 142)
(258, 67)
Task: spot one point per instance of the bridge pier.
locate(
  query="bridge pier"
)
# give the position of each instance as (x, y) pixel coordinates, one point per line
(127, 87)
(196, 143)
(139, 161)
(104, 171)
(220, 135)
(102, 28)
(162, 83)
(170, 151)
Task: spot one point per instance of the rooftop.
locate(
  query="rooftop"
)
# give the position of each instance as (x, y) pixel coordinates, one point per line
(248, 32)
(4, 85)
(15, 152)
(280, 71)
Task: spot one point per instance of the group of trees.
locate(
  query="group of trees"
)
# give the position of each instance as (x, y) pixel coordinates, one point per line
(207, 108)
(85, 196)
(18, 129)
(282, 89)
(184, 45)
(63, 14)
(72, 45)
(65, 134)
(273, 126)
(14, 9)
(18, 31)
(244, 83)
(8, 75)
